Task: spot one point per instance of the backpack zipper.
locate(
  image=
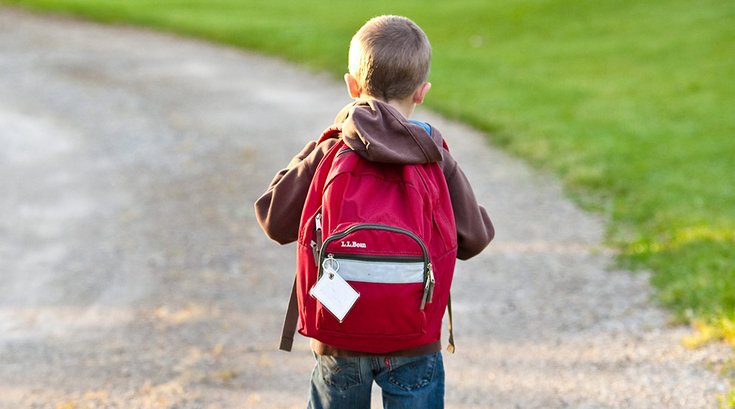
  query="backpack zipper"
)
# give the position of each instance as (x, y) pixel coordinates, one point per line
(316, 244)
(429, 281)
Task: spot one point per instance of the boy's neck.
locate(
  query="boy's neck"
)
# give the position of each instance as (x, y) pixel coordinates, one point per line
(404, 106)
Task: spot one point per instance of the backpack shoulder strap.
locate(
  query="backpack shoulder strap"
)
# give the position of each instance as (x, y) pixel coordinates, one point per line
(331, 132)
(450, 347)
(444, 144)
(291, 319)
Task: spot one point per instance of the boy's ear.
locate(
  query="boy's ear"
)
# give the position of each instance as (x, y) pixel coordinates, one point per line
(420, 94)
(353, 87)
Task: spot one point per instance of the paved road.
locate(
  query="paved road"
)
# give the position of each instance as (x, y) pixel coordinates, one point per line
(134, 274)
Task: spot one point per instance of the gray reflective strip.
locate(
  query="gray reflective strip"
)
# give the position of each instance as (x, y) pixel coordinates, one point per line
(381, 271)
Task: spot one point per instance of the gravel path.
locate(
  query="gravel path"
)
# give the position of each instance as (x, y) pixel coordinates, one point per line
(134, 274)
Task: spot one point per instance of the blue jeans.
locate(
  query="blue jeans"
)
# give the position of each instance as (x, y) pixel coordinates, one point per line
(415, 382)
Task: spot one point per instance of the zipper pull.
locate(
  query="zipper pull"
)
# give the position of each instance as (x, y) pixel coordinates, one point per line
(318, 232)
(432, 283)
(315, 252)
(428, 287)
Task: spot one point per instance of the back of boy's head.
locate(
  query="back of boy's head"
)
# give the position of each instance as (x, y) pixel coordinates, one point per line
(390, 57)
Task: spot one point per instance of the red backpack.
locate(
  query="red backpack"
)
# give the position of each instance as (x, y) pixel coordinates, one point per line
(388, 230)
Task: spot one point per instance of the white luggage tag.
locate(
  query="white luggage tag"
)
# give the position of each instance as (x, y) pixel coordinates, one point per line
(335, 294)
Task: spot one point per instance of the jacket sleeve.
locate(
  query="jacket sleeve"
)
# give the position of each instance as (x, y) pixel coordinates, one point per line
(278, 210)
(474, 228)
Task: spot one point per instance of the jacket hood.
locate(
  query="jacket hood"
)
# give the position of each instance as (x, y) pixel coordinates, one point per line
(379, 133)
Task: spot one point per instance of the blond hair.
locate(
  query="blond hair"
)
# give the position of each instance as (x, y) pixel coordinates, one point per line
(390, 57)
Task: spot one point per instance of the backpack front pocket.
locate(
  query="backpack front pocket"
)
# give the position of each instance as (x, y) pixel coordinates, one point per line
(390, 269)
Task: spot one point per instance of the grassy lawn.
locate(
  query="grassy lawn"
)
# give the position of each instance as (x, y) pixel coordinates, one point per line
(631, 103)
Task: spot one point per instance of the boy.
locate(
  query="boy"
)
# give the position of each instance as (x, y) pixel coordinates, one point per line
(389, 60)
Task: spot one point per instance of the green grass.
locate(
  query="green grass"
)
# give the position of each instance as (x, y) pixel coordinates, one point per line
(631, 103)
